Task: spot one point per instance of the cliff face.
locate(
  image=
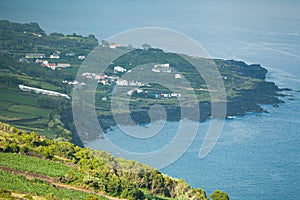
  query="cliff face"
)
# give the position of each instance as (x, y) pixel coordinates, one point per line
(247, 93)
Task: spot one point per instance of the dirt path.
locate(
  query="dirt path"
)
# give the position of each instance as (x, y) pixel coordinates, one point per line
(53, 181)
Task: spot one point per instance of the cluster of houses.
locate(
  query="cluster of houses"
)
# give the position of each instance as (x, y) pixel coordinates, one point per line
(40, 58)
(166, 95)
(109, 80)
(100, 78)
(123, 82)
(52, 66)
(164, 68)
(158, 95)
(115, 79)
(74, 82)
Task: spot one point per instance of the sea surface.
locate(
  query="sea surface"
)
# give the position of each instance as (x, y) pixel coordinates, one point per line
(258, 155)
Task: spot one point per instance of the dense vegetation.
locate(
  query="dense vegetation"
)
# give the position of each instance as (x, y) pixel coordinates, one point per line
(94, 170)
(18, 186)
(30, 37)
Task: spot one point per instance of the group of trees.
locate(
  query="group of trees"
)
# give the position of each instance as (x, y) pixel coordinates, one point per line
(99, 170)
(29, 37)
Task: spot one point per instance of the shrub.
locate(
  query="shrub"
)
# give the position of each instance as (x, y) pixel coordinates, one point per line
(219, 195)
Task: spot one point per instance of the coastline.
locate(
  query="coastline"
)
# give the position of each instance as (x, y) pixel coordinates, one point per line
(248, 101)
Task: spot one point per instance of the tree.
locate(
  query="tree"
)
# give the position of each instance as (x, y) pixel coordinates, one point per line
(146, 46)
(50, 196)
(92, 197)
(105, 43)
(114, 185)
(56, 35)
(219, 195)
(91, 36)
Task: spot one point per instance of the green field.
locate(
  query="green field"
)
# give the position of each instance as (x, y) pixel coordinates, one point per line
(30, 80)
(15, 105)
(16, 96)
(36, 187)
(30, 109)
(32, 164)
(22, 110)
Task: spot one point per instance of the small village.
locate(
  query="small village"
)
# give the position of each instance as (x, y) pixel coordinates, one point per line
(40, 58)
(134, 87)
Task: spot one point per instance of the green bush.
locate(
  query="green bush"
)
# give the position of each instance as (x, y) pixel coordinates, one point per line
(28, 196)
(219, 195)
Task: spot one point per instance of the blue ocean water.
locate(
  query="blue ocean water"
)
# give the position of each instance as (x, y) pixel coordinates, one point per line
(258, 155)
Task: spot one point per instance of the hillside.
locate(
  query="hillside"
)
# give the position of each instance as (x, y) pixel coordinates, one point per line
(20, 46)
(30, 57)
(33, 166)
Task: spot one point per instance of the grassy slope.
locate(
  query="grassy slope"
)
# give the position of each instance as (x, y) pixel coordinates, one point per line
(20, 108)
(37, 187)
(33, 164)
(80, 169)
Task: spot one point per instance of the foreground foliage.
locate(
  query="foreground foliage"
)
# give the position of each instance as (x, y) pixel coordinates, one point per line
(87, 168)
(35, 187)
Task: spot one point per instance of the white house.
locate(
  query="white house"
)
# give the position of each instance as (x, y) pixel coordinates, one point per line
(175, 95)
(81, 57)
(54, 56)
(113, 78)
(104, 82)
(34, 55)
(162, 68)
(70, 54)
(130, 92)
(122, 82)
(42, 62)
(119, 69)
(63, 65)
(167, 65)
(165, 95)
(50, 65)
(135, 83)
(178, 76)
(89, 75)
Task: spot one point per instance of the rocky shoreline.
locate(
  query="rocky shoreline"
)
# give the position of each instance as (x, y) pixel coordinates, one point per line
(264, 93)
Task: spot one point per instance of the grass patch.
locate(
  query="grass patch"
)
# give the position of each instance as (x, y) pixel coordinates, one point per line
(39, 188)
(5, 104)
(31, 81)
(17, 115)
(33, 164)
(30, 109)
(39, 130)
(21, 109)
(18, 97)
